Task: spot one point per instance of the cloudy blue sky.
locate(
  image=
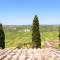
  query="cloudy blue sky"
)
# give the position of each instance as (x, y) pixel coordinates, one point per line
(21, 12)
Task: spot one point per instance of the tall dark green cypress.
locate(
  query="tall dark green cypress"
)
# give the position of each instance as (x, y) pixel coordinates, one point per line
(59, 36)
(2, 37)
(36, 33)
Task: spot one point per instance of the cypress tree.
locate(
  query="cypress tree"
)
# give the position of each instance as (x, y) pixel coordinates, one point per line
(2, 37)
(36, 33)
(59, 35)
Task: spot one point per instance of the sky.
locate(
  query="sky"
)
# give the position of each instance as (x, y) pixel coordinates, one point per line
(22, 12)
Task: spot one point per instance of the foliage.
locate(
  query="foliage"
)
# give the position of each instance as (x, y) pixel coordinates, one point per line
(35, 33)
(59, 35)
(19, 46)
(2, 37)
(24, 45)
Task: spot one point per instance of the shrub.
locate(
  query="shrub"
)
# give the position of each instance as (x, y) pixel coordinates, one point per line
(19, 45)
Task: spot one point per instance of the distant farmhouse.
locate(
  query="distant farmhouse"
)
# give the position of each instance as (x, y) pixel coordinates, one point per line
(25, 30)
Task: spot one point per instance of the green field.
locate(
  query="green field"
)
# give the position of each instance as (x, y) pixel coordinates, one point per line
(12, 39)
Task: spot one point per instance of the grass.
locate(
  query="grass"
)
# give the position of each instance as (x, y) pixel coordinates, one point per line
(12, 39)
